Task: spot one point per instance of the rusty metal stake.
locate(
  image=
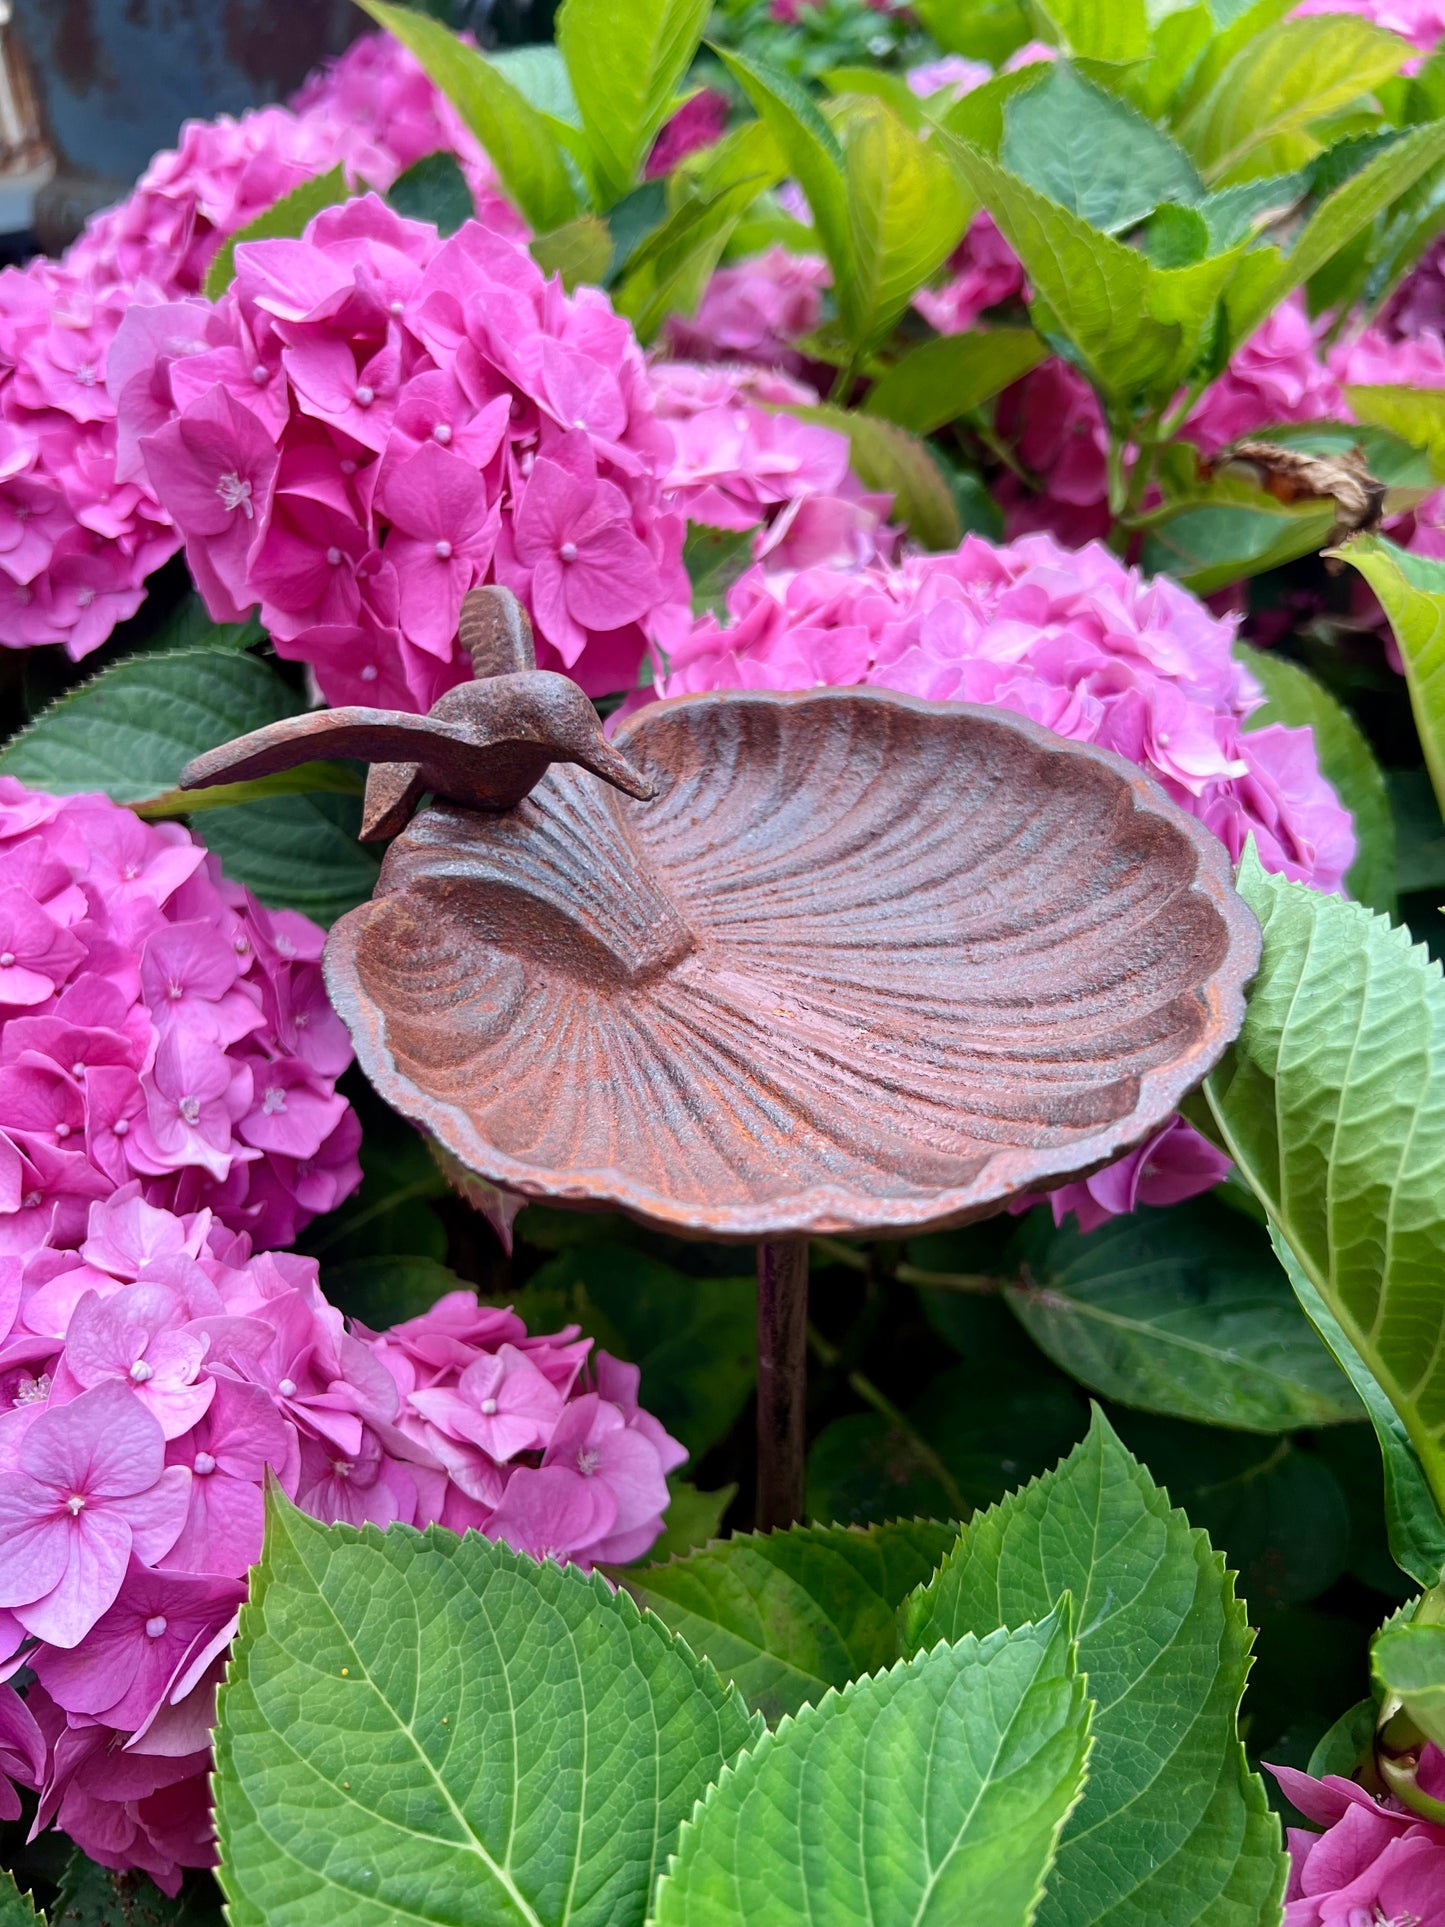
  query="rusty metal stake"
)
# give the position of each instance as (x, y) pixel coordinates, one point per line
(782, 1380)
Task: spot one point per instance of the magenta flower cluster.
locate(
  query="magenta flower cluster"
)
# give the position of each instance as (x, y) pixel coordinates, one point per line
(738, 463)
(1090, 649)
(158, 1028)
(1374, 1864)
(373, 420)
(167, 1371)
(76, 540)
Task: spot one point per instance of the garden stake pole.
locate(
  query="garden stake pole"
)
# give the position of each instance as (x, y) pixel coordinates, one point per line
(782, 1380)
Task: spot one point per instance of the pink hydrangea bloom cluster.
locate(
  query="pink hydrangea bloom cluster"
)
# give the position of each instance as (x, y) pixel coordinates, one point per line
(1375, 1864)
(754, 312)
(371, 421)
(739, 464)
(1091, 650)
(136, 1431)
(157, 1027)
(77, 541)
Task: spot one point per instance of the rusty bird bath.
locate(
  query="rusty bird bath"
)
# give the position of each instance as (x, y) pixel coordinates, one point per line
(837, 962)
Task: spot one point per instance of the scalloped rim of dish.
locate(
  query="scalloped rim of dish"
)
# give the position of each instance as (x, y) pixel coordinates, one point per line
(840, 1210)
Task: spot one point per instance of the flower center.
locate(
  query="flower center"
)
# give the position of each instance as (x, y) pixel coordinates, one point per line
(343, 1468)
(444, 551)
(155, 1628)
(203, 1464)
(86, 374)
(442, 433)
(7, 959)
(33, 1391)
(75, 1504)
(365, 396)
(287, 1388)
(140, 1372)
(62, 1130)
(260, 375)
(489, 1407)
(190, 1109)
(120, 1127)
(568, 552)
(333, 556)
(236, 494)
(588, 1460)
(273, 1101)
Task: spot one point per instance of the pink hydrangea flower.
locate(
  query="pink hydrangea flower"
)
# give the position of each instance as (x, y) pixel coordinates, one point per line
(754, 312)
(165, 1372)
(1375, 1864)
(738, 463)
(1090, 649)
(163, 1038)
(1276, 377)
(415, 417)
(80, 529)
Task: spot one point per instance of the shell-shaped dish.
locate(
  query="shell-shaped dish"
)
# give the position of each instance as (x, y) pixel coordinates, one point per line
(866, 964)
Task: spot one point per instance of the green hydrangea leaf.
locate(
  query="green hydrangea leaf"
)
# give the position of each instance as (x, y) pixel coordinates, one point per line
(1135, 328)
(907, 210)
(520, 141)
(1092, 153)
(932, 1794)
(1172, 1826)
(17, 1909)
(435, 1729)
(888, 458)
(1332, 1104)
(626, 60)
(786, 1615)
(1411, 589)
(1255, 120)
(940, 380)
(1182, 1312)
(1408, 1661)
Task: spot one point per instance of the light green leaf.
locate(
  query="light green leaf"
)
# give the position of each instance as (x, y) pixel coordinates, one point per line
(1416, 415)
(334, 779)
(1235, 213)
(981, 29)
(291, 215)
(922, 1797)
(886, 457)
(580, 252)
(298, 852)
(668, 272)
(1108, 30)
(1408, 1662)
(433, 189)
(907, 210)
(1255, 119)
(1182, 1312)
(626, 60)
(131, 729)
(1347, 1742)
(1173, 1826)
(940, 380)
(539, 73)
(1337, 221)
(786, 1615)
(810, 148)
(695, 1339)
(1411, 589)
(1332, 1103)
(1294, 697)
(1137, 328)
(435, 1729)
(521, 145)
(17, 1909)
(1092, 153)
(1413, 1523)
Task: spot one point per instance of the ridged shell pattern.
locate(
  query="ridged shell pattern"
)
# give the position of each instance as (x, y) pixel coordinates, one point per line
(865, 962)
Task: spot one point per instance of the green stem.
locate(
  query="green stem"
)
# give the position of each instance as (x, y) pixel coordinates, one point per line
(979, 1283)
(864, 1388)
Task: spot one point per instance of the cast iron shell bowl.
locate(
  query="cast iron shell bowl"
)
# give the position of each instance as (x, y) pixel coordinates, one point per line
(865, 964)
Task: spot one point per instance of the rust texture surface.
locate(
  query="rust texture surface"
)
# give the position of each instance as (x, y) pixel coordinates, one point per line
(865, 963)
